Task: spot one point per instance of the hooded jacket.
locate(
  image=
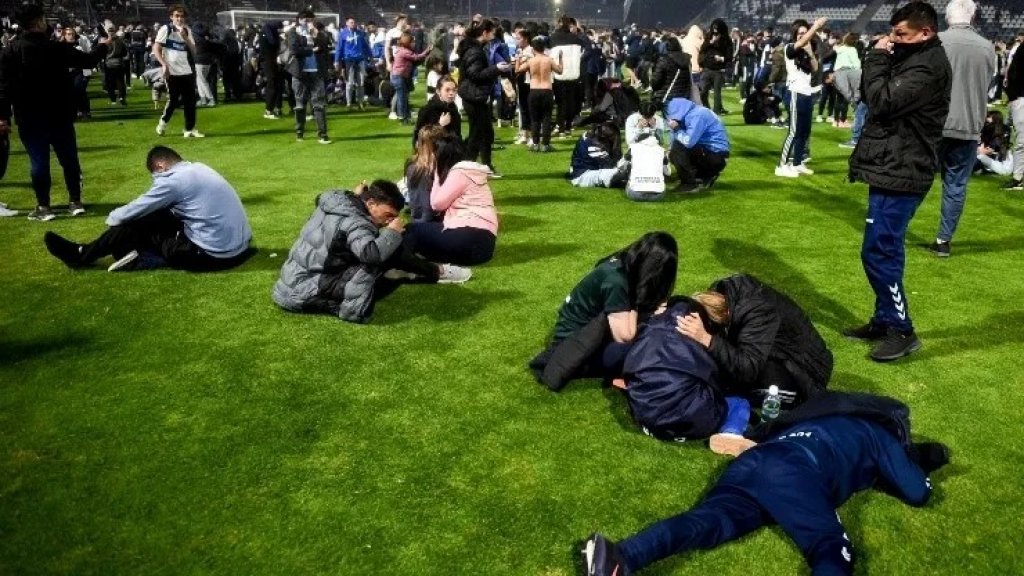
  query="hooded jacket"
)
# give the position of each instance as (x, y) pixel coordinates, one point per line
(671, 78)
(698, 126)
(908, 99)
(476, 74)
(466, 198)
(339, 251)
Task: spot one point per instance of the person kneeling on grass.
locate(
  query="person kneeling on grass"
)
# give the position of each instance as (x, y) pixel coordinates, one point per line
(672, 385)
(700, 145)
(596, 159)
(797, 479)
(648, 167)
(190, 219)
(763, 339)
(352, 238)
(469, 230)
(599, 319)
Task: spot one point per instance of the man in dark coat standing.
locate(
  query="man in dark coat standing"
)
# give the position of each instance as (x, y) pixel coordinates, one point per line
(34, 81)
(906, 84)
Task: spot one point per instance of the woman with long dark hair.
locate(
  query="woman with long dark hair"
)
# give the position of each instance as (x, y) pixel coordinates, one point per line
(469, 230)
(598, 320)
(477, 77)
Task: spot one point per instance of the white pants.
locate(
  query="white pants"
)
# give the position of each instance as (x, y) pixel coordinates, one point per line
(1017, 114)
(203, 84)
(1000, 167)
(595, 178)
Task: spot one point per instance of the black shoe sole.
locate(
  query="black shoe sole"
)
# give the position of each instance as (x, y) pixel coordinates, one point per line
(914, 347)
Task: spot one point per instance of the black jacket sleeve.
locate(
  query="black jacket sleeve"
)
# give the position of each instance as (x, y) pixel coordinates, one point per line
(1015, 76)
(743, 353)
(889, 97)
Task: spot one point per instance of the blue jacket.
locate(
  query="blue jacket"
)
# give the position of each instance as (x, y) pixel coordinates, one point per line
(351, 46)
(672, 382)
(698, 126)
(589, 155)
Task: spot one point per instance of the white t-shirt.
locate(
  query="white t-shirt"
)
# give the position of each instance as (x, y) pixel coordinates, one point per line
(175, 50)
(633, 129)
(647, 172)
(798, 80)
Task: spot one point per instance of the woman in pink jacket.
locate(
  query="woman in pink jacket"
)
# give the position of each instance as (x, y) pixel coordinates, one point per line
(469, 230)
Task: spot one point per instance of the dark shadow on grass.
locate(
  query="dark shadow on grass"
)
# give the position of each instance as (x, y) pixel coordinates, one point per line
(459, 303)
(517, 222)
(1000, 329)
(12, 352)
(755, 259)
(98, 148)
(521, 253)
(399, 135)
(261, 259)
(846, 382)
(1008, 244)
(533, 199)
(843, 207)
(534, 176)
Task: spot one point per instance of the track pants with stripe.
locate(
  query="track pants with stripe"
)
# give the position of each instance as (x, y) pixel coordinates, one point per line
(794, 149)
(884, 257)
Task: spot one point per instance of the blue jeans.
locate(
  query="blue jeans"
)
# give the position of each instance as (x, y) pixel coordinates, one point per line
(401, 96)
(958, 158)
(800, 112)
(884, 257)
(37, 140)
(355, 75)
(860, 115)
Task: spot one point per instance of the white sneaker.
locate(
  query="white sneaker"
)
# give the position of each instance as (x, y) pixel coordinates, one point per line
(161, 128)
(392, 116)
(193, 134)
(803, 169)
(451, 274)
(786, 171)
(819, 119)
(521, 140)
(6, 212)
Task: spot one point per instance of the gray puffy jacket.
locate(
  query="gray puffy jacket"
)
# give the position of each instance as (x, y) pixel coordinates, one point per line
(336, 259)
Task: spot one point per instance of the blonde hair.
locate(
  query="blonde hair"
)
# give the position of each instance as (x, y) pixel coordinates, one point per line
(423, 160)
(715, 305)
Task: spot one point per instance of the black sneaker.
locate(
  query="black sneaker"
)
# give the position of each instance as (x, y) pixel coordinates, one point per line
(63, 249)
(41, 214)
(895, 345)
(688, 188)
(601, 557)
(76, 208)
(930, 456)
(1014, 185)
(868, 332)
(940, 249)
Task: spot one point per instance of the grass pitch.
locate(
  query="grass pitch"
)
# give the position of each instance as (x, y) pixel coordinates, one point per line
(173, 423)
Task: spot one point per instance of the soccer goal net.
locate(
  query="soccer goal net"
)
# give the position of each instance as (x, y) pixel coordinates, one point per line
(236, 18)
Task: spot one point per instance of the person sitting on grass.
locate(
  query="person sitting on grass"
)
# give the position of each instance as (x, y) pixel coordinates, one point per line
(700, 145)
(599, 319)
(648, 167)
(796, 479)
(469, 230)
(763, 338)
(595, 160)
(672, 385)
(643, 123)
(419, 174)
(190, 219)
(351, 239)
(440, 110)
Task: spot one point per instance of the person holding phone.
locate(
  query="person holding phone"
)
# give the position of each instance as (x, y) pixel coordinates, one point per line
(175, 49)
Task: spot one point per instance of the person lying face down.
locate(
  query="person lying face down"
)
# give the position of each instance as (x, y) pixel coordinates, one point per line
(599, 317)
(765, 339)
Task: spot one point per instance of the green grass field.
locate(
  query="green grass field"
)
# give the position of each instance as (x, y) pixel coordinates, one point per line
(172, 423)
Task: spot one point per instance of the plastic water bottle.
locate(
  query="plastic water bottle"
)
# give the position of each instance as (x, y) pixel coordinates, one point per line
(770, 406)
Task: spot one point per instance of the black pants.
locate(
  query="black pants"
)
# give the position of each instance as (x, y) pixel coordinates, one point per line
(159, 233)
(273, 86)
(827, 100)
(481, 132)
(567, 96)
(38, 138)
(114, 82)
(462, 246)
(696, 162)
(523, 95)
(713, 79)
(541, 104)
(181, 91)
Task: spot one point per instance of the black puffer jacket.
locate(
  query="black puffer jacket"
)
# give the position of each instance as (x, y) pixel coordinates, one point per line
(476, 74)
(671, 78)
(908, 100)
(766, 325)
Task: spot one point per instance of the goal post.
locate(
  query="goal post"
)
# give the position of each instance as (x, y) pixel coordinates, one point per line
(236, 18)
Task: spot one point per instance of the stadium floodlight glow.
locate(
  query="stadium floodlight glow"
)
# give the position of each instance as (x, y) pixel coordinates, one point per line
(412, 6)
(236, 18)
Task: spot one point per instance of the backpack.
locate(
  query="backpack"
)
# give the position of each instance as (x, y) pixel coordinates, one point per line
(753, 109)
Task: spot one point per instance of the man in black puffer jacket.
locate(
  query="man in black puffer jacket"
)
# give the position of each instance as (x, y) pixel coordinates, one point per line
(766, 339)
(906, 85)
(671, 78)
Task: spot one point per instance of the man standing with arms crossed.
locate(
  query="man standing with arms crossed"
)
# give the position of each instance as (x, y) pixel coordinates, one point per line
(171, 49)
(973, 61)
(906, 84)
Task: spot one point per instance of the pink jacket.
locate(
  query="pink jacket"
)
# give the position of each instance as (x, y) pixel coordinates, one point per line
(466, 198)
(403, 61)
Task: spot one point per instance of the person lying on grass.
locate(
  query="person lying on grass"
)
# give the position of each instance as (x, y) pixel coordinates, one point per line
(796, 479)
(761, 338)
(350, 240)
(599, 319)
(190, 219)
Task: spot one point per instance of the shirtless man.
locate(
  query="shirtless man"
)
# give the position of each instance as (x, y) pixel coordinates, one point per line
(542, 98)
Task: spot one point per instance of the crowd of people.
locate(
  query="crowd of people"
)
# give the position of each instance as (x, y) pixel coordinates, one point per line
(642, 106)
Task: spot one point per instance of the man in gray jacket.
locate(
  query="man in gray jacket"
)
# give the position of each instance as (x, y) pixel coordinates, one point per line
(351, 239)
(972, 59)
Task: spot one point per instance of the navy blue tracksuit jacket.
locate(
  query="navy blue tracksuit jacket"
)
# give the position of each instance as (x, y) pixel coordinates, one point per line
(795, 480)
